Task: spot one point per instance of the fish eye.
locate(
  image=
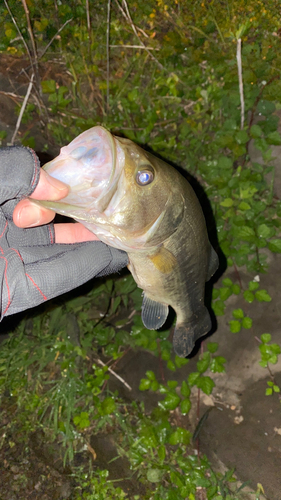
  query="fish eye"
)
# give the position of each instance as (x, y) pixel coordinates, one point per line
(144, 177)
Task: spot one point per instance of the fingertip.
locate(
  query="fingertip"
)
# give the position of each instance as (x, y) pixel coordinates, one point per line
(49, 188)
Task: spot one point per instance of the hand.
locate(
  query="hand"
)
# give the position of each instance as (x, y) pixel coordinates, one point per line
(28, 214)
(35, 264)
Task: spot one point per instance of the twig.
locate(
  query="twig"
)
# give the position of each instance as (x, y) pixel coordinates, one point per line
(23, 108)
(31, 36)
(133, 47)
(88, 22)
(114, 373)
(239, 67)
(127, 15)
(19, 32)
(52, 39)
(238, 275)
(91, 450)
(13, 96)
(107, 52)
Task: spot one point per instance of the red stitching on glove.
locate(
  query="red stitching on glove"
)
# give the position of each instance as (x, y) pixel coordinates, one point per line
(8, 289)
(51, 234)
(17, 252)
(36, 286)
(4, 229)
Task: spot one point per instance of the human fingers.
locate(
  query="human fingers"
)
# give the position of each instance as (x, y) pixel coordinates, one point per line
(28, 214)
(73, 233)
(49, 188)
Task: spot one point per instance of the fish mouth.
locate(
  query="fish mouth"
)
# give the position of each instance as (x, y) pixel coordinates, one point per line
(88, 166)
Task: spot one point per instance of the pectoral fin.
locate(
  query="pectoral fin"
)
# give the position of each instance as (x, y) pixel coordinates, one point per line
(163, 260)
(186, 334)
(153, 314)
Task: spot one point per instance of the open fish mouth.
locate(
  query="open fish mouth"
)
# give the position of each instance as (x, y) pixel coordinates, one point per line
(88, 166)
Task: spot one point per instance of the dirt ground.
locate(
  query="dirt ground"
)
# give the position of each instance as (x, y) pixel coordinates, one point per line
(244, 429)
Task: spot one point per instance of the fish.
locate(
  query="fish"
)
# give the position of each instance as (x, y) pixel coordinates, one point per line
(136, 202)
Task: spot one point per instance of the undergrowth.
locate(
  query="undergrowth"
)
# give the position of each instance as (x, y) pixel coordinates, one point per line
(164, 74)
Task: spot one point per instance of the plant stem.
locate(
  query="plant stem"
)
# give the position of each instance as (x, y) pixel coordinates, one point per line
(23, 108)
(107, 53)
(240, 78)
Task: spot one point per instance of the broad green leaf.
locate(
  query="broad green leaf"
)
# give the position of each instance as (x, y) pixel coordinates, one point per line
(247, 192)
(238, 313)
(241, 137)
(227, 202)
(185, 406)
(262, 296)
(215, 293)
(248, 296)
(247, 322)
(203, 363)
(171, 365)
(180, 436)
(265, 107)
(255, 131)
(227, 282)
(193, 377)
(212, 347)
(265, 231)
(235, 326)
(236, 289)
(225, 292)
(144, 384)
(150, 375)
(218, 307)
(161, 452)
(224, 162)
(245, 233)
(185, 389)
(274, 138)
(244, 206)
(172, 384)
(154, 475)
(217, 364)
(275, 245)
(253, 285)
(154, 385)
(179, 362)
(108, 406)
(170, 402)
(265, 338)
(275, 348)
(48, 86)
(206, 384)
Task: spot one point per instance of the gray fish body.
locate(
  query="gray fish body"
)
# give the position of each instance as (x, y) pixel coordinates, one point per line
(140, 204)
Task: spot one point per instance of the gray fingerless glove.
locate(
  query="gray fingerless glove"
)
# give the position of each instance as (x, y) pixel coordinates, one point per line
(32, 267)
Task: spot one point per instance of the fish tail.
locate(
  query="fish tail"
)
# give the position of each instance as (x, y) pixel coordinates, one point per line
(186, 334)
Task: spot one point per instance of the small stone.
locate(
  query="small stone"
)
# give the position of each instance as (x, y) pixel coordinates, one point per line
(238, 420)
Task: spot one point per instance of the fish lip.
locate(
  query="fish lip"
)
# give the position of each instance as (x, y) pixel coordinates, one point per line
(102, 139)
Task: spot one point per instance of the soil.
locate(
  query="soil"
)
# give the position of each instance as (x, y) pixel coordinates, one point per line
(243, 431)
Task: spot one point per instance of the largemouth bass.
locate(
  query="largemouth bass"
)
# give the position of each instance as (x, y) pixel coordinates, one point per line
(138, 203)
